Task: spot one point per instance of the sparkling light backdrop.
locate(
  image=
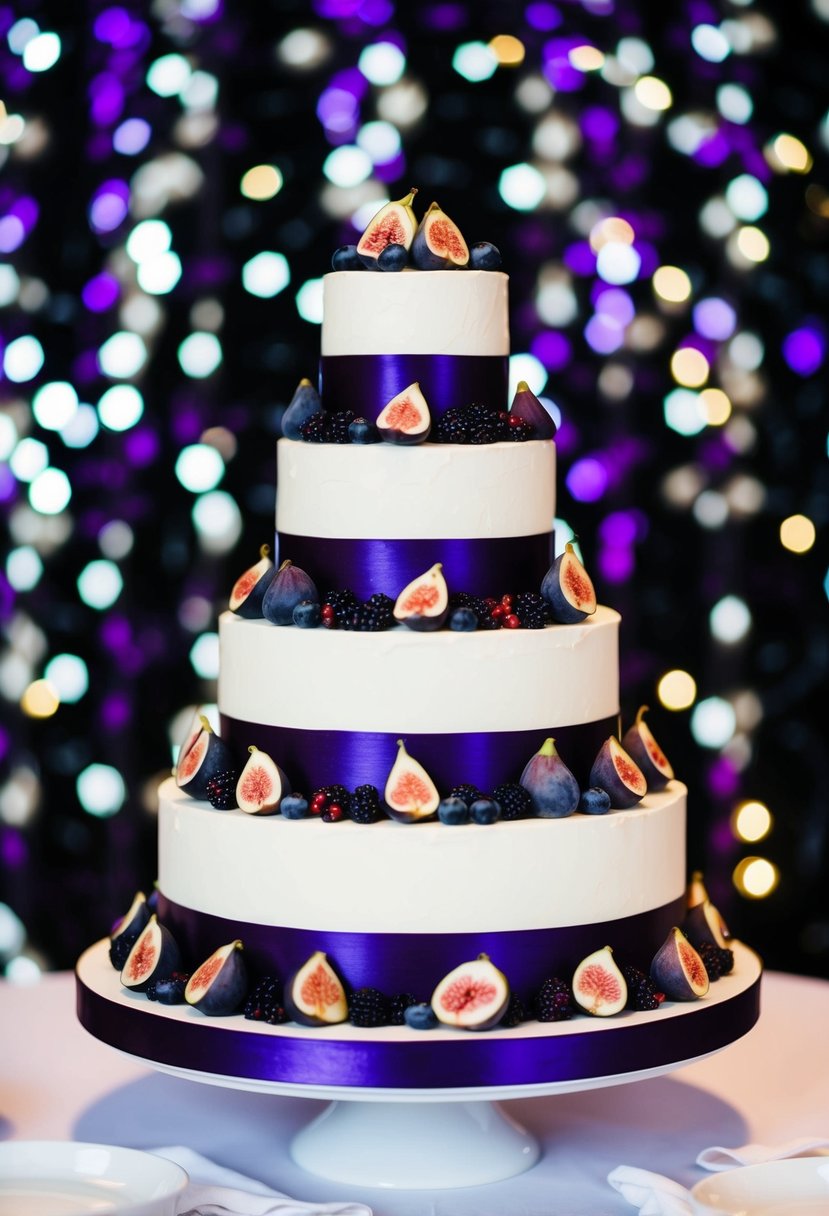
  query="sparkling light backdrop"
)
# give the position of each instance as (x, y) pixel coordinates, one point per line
(173, 179)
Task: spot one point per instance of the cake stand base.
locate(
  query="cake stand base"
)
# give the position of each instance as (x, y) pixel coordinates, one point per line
(417, 1146)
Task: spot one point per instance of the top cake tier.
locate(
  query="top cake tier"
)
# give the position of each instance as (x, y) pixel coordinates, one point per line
(449, 332)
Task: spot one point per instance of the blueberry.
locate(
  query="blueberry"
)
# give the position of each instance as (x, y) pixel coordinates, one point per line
(463, 620)
(307, 614)
(346, 258)
(294, 806)
(484, 810)
(453, 810)
(594, 802)
(393, 257)
(361, 431)
(484, 256)
(170, 991)
(420, 1017)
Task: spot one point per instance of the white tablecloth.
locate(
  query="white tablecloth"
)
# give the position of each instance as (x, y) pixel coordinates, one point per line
(57, 1082)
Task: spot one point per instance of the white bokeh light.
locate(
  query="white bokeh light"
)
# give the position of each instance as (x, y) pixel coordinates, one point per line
(23, 359)
(309, 301)
(169, 75)
(41, 52)
(526, 367)
(218, 521)
(120, 407)
(617, 262)
(347, 166)
(24, 568)
(101, 790)
(122, 355)
(204, 656)
(54, 404)
(100, 583)
(69, 676)
(266, 274)
(382, 63)
(200, 354)
(50, 492)
(713, 722)
(522, 187)
(81, 428)
(199, 467)
(730, 619)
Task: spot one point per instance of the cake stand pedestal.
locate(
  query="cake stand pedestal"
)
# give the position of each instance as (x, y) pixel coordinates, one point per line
(390, 1122)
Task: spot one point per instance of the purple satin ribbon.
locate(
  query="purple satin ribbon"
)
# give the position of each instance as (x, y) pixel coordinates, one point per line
(491, 1058)
(366, 383)
(313, 758)
(487, 566)
(416, 962)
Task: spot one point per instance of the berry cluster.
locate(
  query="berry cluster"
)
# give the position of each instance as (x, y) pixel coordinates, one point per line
(119, 948)
(526, 610)
(478, 423)
(169, 990)
(370, 1007)
(554, 1001)
(718, 961)
(642, 991)
(332, 803)
(327, 428)
(264, 1004)
(221, 790)
(342, 610)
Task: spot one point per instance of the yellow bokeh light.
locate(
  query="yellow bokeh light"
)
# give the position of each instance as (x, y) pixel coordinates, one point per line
(671, 283)
(689, 367)
(40, 700)
(261, 182)
(586, 58)
(611, 229)
(653, 93)
(508, 50)
(677, 689)
(751, 821)
(753, 244)
(715, 405)
(755, 877)
(797, 533)
(791, 154)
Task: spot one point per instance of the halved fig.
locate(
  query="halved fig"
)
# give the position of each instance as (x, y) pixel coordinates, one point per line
(393, 224)
(249, 589)
(641, 746)
(615, 772)
(126, 930)
(473, 996)
(220, 984)
(598, 985)
(154, 956)
(261, 785)
(315, 996)
(438, 242)
(410, 792)
(288, 587)
(697, 892)
(302, 406)
(552, 787)
(703, 923)
(526, 405)
(423, 604)
(568, 589)
(205, 758)
(406, 418)
(678, 970)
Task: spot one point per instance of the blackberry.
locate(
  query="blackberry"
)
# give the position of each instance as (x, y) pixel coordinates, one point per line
(221, 790)
(480, 606)
(327, 428)
(119, 948)
(466, 793)
(369, 1007)
(532, 610)
(519, 429)
(343, 604)
(515, 1012)
(170, 990)
(718, 961)
(514, 801)
(475, 423)
(312, 429)
(450, 427)
(554, 1001)
(331, 803)
(365, 805)
(399, 1003)
(375, 615)
(642, 991)
(264, 1004)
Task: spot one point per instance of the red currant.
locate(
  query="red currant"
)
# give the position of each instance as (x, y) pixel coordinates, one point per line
(512, 621)
(333, 813)
(318, 803)
(328, 616)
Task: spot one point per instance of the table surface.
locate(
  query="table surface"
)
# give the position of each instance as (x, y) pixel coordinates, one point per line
(57, 1082)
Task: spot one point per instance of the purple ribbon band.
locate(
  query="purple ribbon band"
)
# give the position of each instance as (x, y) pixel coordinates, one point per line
(366, 383)
(494, 1058)
(313, 758)
(487, 566)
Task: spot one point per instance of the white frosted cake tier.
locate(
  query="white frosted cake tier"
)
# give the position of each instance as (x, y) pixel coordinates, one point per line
(415, 312)
(422, 878)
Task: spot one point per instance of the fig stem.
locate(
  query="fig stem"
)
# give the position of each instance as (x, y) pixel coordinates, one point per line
(287, 562)
(205, 724)
(264, 550)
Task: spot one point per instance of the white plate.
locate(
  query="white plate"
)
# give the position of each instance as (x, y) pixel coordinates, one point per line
(795, 1187)
(66, 1178)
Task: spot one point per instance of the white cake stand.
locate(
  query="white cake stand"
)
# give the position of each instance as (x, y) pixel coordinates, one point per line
(406, 1137)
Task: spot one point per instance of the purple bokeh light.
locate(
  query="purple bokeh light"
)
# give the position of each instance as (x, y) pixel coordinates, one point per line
(106, 94)
(604, 334)
(100, 293)
(623, 528)
(613, 302)
(13, 848)
(117, 27)
(445, 16)
(616, 565)
(544, 17)
(141, 447)
(714, 318)
(132, 136)
(109, 205)
(12, 233)
(557, 66)
(804, 350)
(580, 258)
(587, 479)
(552, 348)
(723, 778)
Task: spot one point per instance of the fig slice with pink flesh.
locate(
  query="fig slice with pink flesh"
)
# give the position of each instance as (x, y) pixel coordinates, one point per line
(203, 758)
(598, 985)
(154, 956)
(249, 589)
(703, 923)
(262, 784)
(639, 743)
(394, 224)
(405, 420)
(615, 772)
(473, 996)
(678, 970)
(220, 984)
(315, 995)
(568, 589)
(410, 792)
(439, 243)
(423, 604)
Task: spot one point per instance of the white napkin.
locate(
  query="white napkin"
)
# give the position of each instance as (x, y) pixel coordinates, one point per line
(718, 1158)
(216, 1191)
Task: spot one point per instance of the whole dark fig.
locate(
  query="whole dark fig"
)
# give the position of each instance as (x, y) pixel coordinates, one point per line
(288, 587)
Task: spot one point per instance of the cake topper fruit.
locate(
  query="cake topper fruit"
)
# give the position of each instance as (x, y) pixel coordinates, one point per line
(678, 969)
(526, 405)
(220, 984)
(484, 256)
(202, 757)
(423, 604)
(249, 589)
(393, 224)
(438, 242)
(134, 919)
(347, 258)
(473, 996)
(315, 996)
(410, 793)
(288, 587)
(303, 405)
(621, 777)
(261, 785)
(598, 985)
(154, 955)
(406, 418)
(393, 258)
(568, 589)
(641, 746)
(703, 923)
(552, 787)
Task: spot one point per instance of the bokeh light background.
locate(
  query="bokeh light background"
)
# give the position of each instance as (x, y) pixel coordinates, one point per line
(174, 177)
